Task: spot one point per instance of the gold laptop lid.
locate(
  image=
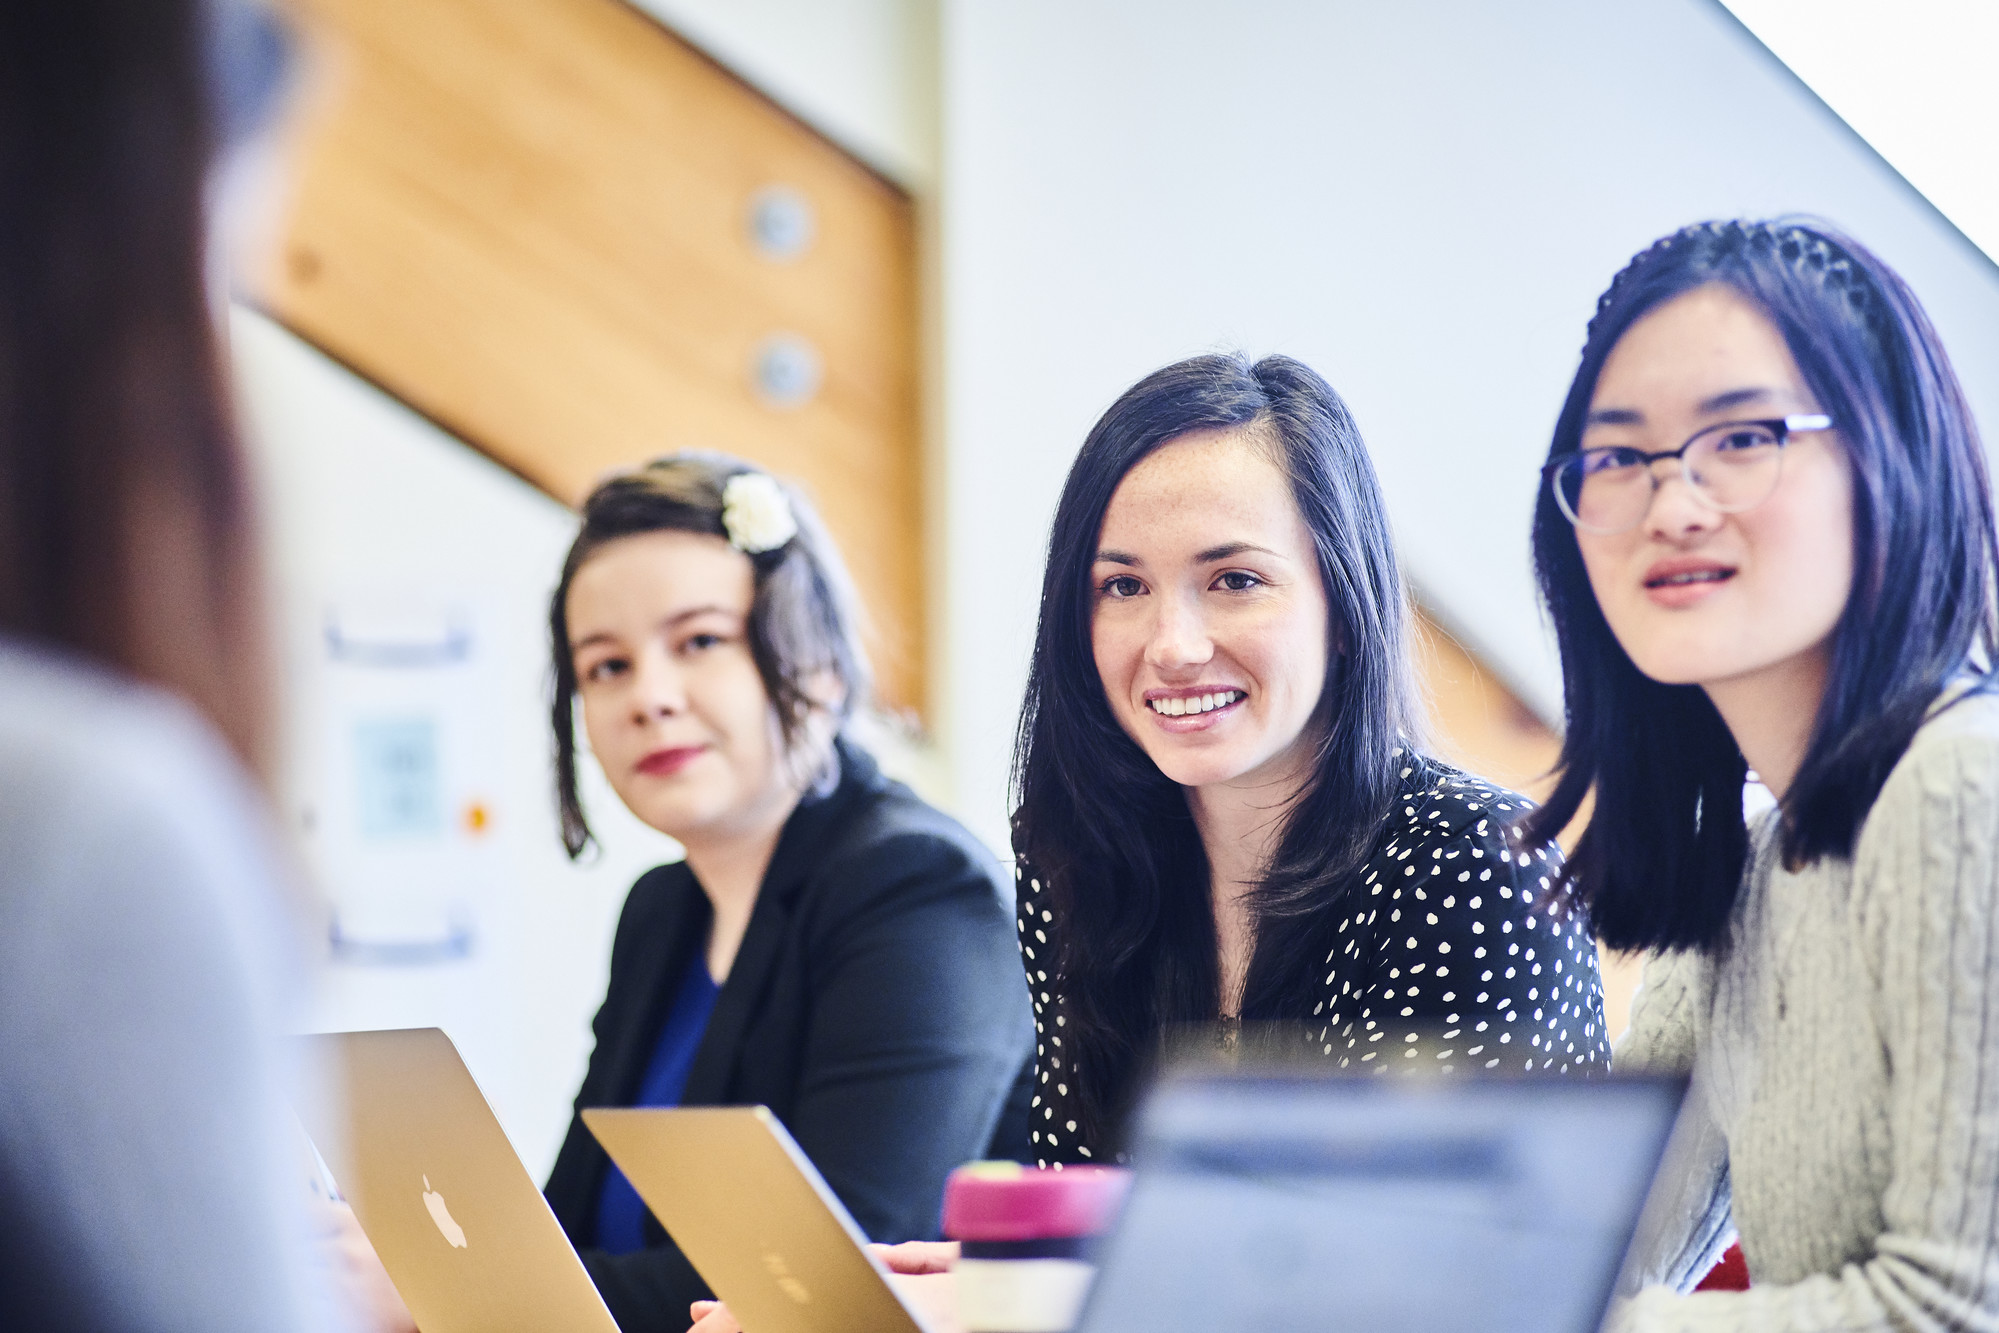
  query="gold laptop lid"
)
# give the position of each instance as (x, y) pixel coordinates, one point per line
(753, 1215)
(465, 1234)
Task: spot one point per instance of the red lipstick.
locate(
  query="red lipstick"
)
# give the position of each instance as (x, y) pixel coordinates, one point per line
(665, 763)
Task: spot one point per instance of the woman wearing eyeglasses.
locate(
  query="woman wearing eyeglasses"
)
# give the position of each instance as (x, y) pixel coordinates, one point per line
(1766, 540)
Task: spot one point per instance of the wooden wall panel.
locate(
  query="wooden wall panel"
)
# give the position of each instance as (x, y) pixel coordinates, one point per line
(529, 219)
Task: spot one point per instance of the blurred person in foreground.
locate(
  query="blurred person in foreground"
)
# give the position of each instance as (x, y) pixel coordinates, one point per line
(146, 941)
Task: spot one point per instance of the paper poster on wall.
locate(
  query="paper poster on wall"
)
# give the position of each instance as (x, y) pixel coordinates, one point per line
(397, 814)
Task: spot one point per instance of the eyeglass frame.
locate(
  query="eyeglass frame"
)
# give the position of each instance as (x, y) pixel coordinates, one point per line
(1782, 427)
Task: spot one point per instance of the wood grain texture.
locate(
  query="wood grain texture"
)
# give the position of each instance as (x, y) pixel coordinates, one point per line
(529, 220)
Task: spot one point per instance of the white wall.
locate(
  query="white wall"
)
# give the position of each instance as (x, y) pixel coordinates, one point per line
(365, 499)
(1914, 79)
(858, 71)
(1422, 200)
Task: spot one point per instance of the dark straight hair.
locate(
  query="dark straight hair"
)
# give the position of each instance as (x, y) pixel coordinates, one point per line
(125, 523)
(1109, 835)
(1662, 859)
(804, 623)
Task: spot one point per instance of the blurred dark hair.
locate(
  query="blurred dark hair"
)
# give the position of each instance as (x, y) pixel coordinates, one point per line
(804, 618)
(125, 530)
(1107, 833)
(1662, 859)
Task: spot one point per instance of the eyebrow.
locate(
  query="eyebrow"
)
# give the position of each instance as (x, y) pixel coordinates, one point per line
(1227, 550)
(1208, 557)
(1721, 402)
(604, 636)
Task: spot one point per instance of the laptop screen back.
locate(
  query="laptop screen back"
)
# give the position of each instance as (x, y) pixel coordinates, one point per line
(463, 1230)
(1381, 1204)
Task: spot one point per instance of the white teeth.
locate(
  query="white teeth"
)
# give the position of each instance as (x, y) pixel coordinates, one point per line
(1197, 703)
(1692, 576)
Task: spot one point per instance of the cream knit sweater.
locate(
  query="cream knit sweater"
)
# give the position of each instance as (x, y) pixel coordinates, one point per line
(1843, 1113)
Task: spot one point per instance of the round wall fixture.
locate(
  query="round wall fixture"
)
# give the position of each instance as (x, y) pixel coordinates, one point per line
(781, 222)
(786, 371)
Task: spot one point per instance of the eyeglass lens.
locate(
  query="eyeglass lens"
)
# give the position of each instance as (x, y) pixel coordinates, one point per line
(1731, 467)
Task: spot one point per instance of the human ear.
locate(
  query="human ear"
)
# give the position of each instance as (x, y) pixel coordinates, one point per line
(825, 689)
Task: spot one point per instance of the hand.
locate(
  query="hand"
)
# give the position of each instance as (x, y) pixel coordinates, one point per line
(712, 1317)
(918, 1256)
(355, 1272)
(919, 1270)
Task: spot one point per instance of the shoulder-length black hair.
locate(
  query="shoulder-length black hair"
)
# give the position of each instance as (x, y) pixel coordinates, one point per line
(804, 618)
(1662, 858)
(1107, 833)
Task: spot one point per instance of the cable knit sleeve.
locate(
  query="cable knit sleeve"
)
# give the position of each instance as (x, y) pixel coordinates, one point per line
(1665, 1015)
(1686, 1224)
(1925, 915)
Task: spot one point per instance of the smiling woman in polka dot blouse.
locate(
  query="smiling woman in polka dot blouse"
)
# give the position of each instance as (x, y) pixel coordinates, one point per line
(1448, 958)
(1221, 818)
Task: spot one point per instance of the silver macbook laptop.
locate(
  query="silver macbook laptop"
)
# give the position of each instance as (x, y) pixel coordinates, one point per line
(1307, 1203)
(464, 1232)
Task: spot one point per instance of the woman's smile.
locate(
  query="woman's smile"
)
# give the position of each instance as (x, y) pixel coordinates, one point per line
(1196, 709)
(1210, 629)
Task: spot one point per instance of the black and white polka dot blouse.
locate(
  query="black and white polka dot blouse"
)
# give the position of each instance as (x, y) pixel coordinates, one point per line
(1467, 970)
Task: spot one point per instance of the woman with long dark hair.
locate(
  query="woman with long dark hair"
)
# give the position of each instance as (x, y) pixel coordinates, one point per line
(1766, 540)
(1224, 816)
(1223, 810)
(149, 1177)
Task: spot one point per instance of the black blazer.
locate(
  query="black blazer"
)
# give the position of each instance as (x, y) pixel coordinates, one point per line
(876, 1005)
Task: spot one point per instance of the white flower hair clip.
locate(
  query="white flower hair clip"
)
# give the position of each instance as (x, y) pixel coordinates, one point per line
(756, 513)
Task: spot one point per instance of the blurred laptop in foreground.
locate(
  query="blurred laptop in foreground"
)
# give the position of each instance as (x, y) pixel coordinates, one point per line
(1281, 1202)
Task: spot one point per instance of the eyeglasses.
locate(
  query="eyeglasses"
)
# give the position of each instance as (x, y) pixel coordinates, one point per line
(1732, 467)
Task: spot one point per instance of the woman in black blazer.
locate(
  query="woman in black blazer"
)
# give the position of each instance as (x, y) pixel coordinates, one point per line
(832, 948)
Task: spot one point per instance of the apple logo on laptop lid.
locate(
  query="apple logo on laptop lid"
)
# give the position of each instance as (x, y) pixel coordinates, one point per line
(780, 1271)
(441, 1215)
